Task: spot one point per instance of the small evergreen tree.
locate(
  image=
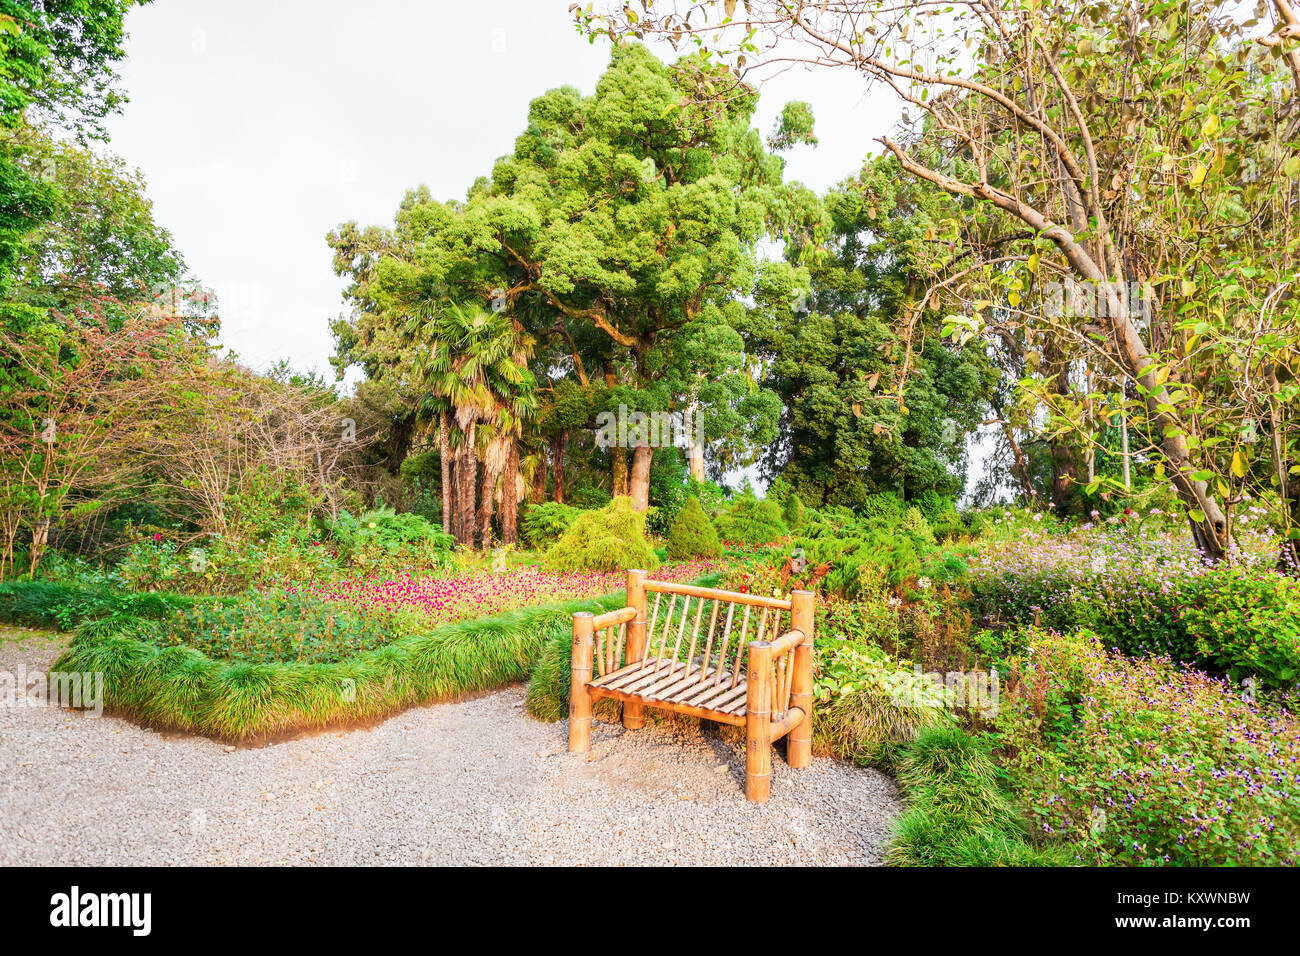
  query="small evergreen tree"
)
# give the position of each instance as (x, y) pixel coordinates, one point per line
(692, 534)
(608, 539)
(792, 511)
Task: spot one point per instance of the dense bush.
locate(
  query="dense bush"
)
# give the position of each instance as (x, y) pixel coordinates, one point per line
(750, 521)
(608, 539)
(792, 511)
(692, 535)
(1147, 596)
(543, 523)
(1141, 762)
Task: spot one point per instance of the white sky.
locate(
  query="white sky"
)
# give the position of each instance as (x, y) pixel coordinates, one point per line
(261, 126)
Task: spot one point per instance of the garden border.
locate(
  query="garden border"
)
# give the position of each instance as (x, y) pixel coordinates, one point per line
(181, 688)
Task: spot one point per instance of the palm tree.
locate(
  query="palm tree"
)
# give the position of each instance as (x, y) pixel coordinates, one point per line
(476, 361)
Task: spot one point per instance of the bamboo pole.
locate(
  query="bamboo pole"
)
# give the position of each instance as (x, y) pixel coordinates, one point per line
(634, 711)
(798, 751)
(758, 723)
(579, 675)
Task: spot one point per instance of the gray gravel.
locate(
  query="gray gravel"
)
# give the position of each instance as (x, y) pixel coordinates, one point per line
(474, 782)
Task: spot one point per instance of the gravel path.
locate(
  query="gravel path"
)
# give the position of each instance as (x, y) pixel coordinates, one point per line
(475, 782)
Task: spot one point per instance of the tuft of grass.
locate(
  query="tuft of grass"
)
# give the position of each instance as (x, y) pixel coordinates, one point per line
(868, 727)
(956, 813)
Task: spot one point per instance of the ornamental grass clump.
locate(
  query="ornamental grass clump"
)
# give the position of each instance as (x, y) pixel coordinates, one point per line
(1145, 762)
(692, 534)
(608, 539)
(956, 812)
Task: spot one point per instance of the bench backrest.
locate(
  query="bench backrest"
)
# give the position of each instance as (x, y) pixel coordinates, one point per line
(652, 630)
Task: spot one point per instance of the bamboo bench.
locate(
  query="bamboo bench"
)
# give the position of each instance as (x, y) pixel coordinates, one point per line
(771, 695)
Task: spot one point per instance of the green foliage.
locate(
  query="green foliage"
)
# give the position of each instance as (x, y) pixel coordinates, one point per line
(916, 527)
(792, 511)
(541, 524)
(608, 539)
(383, 535)
(884, 508)
(861, 713)
(750, 521)
(1240, 621)
(692, 534)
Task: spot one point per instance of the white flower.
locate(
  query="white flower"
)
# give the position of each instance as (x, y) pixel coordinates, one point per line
(923, 583)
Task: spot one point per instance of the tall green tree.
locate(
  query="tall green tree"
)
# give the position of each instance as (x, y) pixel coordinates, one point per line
(874, 398)
(621, 233)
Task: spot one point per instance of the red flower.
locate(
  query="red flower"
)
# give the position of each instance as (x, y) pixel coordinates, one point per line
(157, 536)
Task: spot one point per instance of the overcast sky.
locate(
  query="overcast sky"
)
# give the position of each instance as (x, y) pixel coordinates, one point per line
(260, 126)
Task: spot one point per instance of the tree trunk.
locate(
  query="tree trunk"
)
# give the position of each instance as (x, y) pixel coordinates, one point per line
(444, 454)
(559, 442)
(466, 478)
(694, 449)
(487, 504)
(510, 496)
(1065, 464)
(537, 488)
(619, 454)
(640, 484)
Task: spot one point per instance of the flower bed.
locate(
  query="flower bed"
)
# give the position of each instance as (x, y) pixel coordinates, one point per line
(1142, 762)
(445, 599)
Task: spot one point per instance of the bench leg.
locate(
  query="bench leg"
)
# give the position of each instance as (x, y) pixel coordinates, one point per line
(634, 711)
(579, 675)
(758, 723)
(798, 748)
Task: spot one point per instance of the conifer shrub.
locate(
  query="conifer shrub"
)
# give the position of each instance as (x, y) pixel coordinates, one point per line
(607, 539)
(885, 509)
(543, 523)
(750, 521)
(692, 534)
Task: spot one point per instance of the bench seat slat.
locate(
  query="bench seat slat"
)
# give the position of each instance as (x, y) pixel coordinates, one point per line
(681, 690)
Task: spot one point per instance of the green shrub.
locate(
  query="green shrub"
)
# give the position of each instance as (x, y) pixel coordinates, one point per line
(543, 523)
(750, 521)
(609, 539)
(792, 511)
(65, 606)
(916, 527)
(885, 509)
(692, 534)
(861, 713)
(1148, 598)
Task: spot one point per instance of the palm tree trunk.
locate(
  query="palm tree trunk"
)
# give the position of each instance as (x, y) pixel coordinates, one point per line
(444, 454)
(510, 496)
(466, 478)
(558, 443)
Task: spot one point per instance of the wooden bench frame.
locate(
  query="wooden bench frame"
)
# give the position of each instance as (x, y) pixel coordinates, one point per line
(612, 658)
